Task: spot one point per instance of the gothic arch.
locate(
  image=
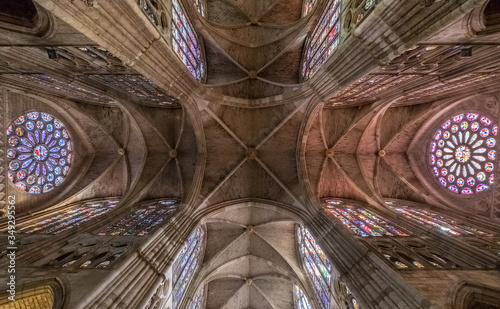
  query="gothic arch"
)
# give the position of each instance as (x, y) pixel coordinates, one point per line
(27, 17)
(471, 295)
(45, 294)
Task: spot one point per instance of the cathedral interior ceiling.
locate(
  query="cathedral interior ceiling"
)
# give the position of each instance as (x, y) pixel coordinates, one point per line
(253, 152)
(151, 134)
(250, 259)
(253, 48)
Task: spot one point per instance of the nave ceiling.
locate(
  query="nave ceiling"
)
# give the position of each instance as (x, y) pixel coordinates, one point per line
(147, 135)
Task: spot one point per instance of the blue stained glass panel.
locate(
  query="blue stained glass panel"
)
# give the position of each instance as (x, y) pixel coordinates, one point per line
(316, 264)
(363, 222)
(197, 302)
(185, 40)
(301, 299)
(186, 264)
(323, 41)
(73, 215)
(143, 220)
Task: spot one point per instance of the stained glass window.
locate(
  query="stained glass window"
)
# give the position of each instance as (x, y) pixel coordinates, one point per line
(185, 42)
(396, 261)
(200, 6)
(323, 41)
(362, 222)
(462, 153)
(186, 264)
(369, 4)
(108, 261)
(308, 6)
(93, 262)
(316, 264)
(149, 11)
(444, 224)
(197, 302)
(142, 220)
(301, 299)
(67, 218)
(354, 302)
(39, 153)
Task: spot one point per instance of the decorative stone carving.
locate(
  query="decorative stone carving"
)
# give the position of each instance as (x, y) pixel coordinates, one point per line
(89, 2)
(251, 153)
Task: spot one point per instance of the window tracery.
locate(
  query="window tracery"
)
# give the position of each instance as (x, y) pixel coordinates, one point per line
(415, 254)
(200, 6)
(317, 266)
(186, 264)
(362, 222)
(40, 152)
(67, 218)
(143, 220)
(185, 42)
(323, 41)
(301, 300)
(93, 253)
(344, 297)
(369, 4)
(462, 153)
(155, 11)
(491, 246)
(102, 260)
(444, 224)
(308, 7)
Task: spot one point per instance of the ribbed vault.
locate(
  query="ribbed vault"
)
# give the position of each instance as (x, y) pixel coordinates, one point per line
(250, 260)
(253, 48)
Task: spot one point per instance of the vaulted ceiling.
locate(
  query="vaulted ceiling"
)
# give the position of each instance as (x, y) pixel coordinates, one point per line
(147, 132)
(250, 260)
(253, 48)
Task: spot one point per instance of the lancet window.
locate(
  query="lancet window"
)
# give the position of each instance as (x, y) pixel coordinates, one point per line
(301, 301)
(142, 220)
(186, 264)
(185, 42)
(67, 218)
(442, 223)
(323, 41)
(39, 154)
(362, 222)
(462, 153)
(317, 266)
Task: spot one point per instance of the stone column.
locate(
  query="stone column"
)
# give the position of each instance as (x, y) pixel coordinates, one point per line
(372, 282)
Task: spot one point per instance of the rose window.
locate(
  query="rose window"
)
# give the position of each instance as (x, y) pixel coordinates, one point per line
(39, 154)
(463, 153)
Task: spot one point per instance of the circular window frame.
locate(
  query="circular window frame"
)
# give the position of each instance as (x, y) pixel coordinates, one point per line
(71, 152)
(437, 125)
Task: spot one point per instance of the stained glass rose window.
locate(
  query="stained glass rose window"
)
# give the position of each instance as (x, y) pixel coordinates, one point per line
(39, 152)
(462, 153)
